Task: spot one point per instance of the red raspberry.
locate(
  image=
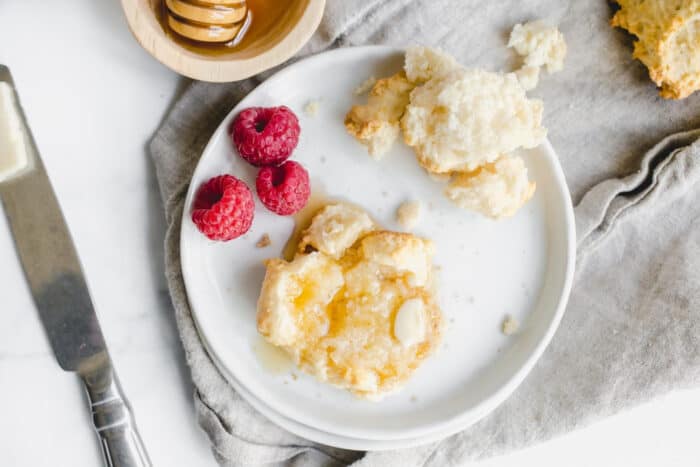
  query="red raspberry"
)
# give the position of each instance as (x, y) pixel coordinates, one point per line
(284, 189)
(223, 208)
(265, 135)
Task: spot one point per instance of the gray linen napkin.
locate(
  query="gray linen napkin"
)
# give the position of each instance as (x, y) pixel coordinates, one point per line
(632, 325)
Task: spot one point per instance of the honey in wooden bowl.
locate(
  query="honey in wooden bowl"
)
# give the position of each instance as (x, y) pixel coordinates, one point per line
(276, 29)
(215, 27)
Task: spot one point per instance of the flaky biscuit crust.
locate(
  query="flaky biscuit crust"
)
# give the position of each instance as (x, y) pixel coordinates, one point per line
(668, 40)
(376, 124)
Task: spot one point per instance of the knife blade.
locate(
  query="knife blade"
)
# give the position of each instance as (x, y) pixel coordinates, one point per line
(58, 287)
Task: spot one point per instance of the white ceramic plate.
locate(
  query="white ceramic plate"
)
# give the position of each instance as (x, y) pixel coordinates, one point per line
(326, 438)
(338, 441)
(521, 266)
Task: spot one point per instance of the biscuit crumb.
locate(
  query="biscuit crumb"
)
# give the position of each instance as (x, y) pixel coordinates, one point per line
(264, 241)
(365, 86)
(509, 326)
(311, 108)
(408, 214)
(539, 44)
(414, 398)
(294, 376)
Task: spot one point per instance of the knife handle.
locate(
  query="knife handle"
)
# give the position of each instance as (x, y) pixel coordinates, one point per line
(114, 421)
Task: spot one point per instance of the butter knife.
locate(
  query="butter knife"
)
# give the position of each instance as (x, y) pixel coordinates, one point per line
(57, 284)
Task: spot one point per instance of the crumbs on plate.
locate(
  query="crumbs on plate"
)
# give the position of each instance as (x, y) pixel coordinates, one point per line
(509, 326)
(311, 108)
(408, 214)
(264, 241)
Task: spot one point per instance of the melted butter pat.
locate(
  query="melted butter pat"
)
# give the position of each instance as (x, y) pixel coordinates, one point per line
(410, 322)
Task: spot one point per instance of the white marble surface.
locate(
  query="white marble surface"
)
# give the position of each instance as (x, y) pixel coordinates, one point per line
(93, 98)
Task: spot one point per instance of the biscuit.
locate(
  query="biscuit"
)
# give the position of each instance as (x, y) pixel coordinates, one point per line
(468, 118)
(376, 124)
(668, 35)
(459, 120)
(363, 320)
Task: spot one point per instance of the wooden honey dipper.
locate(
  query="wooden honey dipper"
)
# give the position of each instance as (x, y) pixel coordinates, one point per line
(213, 21)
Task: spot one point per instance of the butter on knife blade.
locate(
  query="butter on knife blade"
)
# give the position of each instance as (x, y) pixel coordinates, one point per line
(13, 145)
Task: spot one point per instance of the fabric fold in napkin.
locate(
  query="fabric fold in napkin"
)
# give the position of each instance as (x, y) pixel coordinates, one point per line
(632, 325)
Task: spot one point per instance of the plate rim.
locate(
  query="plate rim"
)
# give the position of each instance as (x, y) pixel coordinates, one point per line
(330, 439)
(465, 418)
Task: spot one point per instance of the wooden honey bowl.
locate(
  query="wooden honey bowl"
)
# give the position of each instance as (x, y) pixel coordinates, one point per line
(222, 40)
